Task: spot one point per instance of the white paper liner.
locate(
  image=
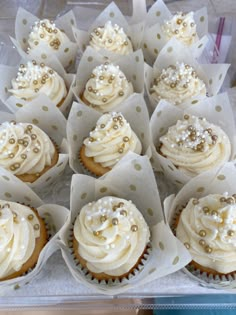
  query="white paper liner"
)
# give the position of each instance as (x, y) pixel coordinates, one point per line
(53, 123)
(13, 103)
(212, 75)
(14, 190)
(82, 120)
(132, 66)
(67, 51)
(132, 179)
(218, 182)
(155, 39)
(216, 110)
(110, 13)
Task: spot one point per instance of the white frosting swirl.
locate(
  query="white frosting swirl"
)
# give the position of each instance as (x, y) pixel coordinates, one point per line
(111, 140)
(112, 38)
(178, 83)
(45, 32)
(111, 234)
(24, 148)
(107, 87)
(33, 79)
(194, 145)
(208, 228)
(19, 227)
(183, 27)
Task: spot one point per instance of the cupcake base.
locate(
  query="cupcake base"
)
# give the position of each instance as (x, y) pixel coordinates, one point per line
(89, 164)
(39, 244)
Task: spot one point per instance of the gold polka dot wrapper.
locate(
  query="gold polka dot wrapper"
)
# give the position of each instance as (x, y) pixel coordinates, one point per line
(62, 45)
(123, 35)
(177, 77)
(42, 83)
(190, 28)
(192, 142)
(15, 191)
(50, 120)
(208, 186)
(131, 179)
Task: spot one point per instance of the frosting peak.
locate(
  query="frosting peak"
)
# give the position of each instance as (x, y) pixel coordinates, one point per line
(111, 139)
(112, 38)
(111, 234)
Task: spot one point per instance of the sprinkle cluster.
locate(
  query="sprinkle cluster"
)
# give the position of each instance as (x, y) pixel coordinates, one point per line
(33, 73)
(177, 76)
(106, 74)
(47, 30)
(195, 135)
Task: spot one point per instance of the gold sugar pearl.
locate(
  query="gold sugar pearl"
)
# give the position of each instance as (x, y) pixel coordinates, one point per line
(36, 227)
(103, 218)
(104, 100)
(202, 242)
(176, 31)
(42, 65)
(96, 233)
(17, 165)
(101, 77)
(34, 62)
(30, 217)
(222, 199)
(184, 24)
(123, 212)
(41, 36)
(25, 143)
(35, 82)
(36, 150)
(11, 155)
(179, 21)
(36, 90)
(92, 75)
(110, 41)
(208, 249)
(126, 43)
(185, 85)
(6, 205)
(12, 168)
(20, 141)
(51, 71)
(33, 136)
(23, 156)
(230, 200)
(134, 228)
(206, 210)
(115, 207)
(202, 233)
(187, 245)
(115, 119)
(121, 93)
(90, 89)
(51, 43)
(110, 81)
(195, 202)
(115, 127)
(192, 24)
(120, 150)
(30, 127)
(126, 139)
(115, 221)
(214, 212)
(37, 174)
(102, 126)
(12, 141)
(172, 85)
(186, 117)
(121, 204)
(230, 233)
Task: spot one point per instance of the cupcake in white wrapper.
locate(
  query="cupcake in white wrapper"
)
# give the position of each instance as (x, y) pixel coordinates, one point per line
(36, 140)
(28, 81)
(210, 235)
(208, 129)
(110, 34)
(131, 179)
(161, 25)
(177, 77)
(40, 39)
(83, 119)
(105, 85)
(17, 201)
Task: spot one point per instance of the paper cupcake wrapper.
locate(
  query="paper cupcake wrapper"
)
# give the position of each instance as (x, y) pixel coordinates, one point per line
(216, 110)
(155, 39)
(67, 52)
(213, 182)
(132, 66)
(83, 118)
(53, 123)
(110, 13)
(212, 75)
(13, 103)
(12, 189)
(132, 178)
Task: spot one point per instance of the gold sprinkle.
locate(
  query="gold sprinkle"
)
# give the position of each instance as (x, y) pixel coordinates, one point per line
(120, 150)
(104, 100)
(36, 150)
(109, 40)
(25, 143)
(134, 228)
(102, 126)
(42, 64)
(30, 127)
(96, 233)
(222, 199)
(91, 139)
(30, 217)
(33, 136)
(186, 117)
(206, 210)
(103, 218)
(121, 93)
(126, 139)
(208, 249)
(172, 85)
(36, 90)
(34, 62)
(36, 227)
(124, 213)
(214, 212)
(90, 89)
(12, 141)
(195, 202)
(179, 21)
(230, 200)
(126, 43)
(184, 24)
(12, 167)
(35, 82)
(11, 155)
(114, 208)
(115, 127)
(101, 77)
(23, 156)
(115, 221)
(202, 242)
(202, 233)
(230, 233)
(192, 24)
(41, 36)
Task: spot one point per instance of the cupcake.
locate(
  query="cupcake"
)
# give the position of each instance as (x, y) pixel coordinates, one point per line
(111, 139)
(207, 227)
(106, 88)
(110, 238)
(182, 26)
(34, 79)
(194, 145)
(26, 150)
(23, 236)
(177, 84)
(112, 38)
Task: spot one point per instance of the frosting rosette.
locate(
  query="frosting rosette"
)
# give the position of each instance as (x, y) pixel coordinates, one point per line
(25, 148)
(183, 27)
(33, 79)
(111, 139)
(111, 234)
(207, 227)
(19, 229)
(194, 145)
(177, 83)
(112, 38)
(107, 87)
